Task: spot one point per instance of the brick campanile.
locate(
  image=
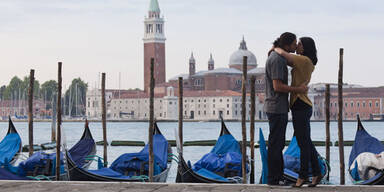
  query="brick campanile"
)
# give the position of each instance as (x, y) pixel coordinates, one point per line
(154, 45)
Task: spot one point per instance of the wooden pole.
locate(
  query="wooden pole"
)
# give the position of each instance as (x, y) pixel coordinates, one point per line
(327, 128)
(243, 125)
(151, 122)
(104, 118)
(58, 131)
(252, 129)
(181, 114)
(340, 118)
(54, 119)
(30, 110)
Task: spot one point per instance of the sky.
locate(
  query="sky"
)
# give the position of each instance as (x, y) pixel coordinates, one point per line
(95, 36)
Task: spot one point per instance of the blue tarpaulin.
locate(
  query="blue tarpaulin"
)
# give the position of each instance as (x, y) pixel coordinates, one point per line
(210, 174)
(225, 152)
(109, 173)
(133, 161)
(9, 146)
(264, 158)
(39, 159)
(217, 163)
(5, 174)
(292, 158)
(226, 143)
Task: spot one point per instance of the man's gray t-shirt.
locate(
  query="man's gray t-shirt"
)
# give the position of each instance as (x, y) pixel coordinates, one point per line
(275, 69)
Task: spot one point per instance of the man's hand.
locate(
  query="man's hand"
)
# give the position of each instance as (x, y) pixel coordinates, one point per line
(303, 88)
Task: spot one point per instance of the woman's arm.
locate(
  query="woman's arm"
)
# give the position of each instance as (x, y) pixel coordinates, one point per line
(285, 54)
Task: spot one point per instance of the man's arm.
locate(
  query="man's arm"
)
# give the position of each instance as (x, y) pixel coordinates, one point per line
(279, 86)
(289, 57)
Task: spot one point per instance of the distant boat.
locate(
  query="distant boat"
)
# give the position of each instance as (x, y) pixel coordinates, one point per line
(224, 172)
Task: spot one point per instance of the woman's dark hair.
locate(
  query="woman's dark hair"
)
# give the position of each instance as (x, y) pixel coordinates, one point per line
(309, 49)
(286, 38)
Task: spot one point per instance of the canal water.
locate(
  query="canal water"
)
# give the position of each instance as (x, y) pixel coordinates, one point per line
(138, 131)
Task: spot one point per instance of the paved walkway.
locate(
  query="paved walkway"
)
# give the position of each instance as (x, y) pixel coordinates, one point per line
(64, 186)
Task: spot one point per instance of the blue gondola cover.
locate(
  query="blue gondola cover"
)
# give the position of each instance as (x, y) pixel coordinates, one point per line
(225, 152)
(292, 158)
(264, 158)
(39, 159)
(9, 146)
(133, 161)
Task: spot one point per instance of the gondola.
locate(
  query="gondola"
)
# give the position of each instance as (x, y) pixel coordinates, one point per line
(364, 142)
(200, 173)
(10, 146)
(291, 162)
(42, 165)
(129, 167)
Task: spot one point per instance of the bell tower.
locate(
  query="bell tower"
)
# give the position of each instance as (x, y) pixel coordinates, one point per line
(211, 63)
(192, 65)
(154, 45)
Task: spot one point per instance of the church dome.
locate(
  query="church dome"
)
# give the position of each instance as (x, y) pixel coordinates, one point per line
(237, 57)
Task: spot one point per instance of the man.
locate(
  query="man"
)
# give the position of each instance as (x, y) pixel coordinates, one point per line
(276, 105)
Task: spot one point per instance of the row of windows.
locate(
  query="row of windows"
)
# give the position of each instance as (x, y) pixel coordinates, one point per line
(351, 104)
(239, 81)
(214, 100)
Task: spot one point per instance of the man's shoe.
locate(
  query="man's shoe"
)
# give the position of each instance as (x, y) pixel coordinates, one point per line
(281, 183)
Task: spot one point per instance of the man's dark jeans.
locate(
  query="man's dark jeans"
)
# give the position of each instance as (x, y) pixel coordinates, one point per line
(308, 153)
(276, 142)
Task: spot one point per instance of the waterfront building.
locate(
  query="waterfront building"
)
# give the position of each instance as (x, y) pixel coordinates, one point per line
(93, 101)
(197, 105)
(19, 109)
(365, 101)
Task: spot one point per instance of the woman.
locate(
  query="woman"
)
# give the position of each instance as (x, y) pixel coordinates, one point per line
(303, 65)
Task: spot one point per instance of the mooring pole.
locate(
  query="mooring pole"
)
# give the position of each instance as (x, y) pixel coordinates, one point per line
(104, 118)
(30, 110)
(53, 124)
(340, 118)
(58, 131)
(252, 130)
(151, 122)
(181, 114)
(243, 119)
(327, 128)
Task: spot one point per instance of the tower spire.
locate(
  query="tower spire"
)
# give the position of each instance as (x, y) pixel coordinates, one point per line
(243, 44)
(211, 63)
(192, 65)
(154, 6)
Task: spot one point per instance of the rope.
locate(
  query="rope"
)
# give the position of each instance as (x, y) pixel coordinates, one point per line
(141, 177)
(40, 177)
(176, 160)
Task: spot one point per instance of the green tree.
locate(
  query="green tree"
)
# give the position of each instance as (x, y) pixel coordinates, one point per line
(36, 87)
(48, 91)
(13, 90)
(2, 90)
(75, 98)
